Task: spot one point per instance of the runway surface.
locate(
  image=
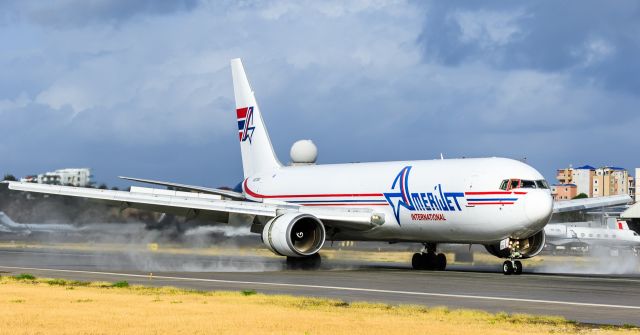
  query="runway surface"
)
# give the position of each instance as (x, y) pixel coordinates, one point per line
(592, 299)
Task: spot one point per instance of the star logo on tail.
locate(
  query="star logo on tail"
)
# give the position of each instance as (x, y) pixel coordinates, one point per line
(245, 123)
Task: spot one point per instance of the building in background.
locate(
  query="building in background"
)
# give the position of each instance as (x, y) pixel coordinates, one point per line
(583, 179)
(565, 176)
(598, 182)
(636, 190)
(564, 191)
(71, 177)
(610, 180)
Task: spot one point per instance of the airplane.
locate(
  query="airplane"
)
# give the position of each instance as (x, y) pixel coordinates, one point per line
(7, 225)
(560, 234)
(500, 203)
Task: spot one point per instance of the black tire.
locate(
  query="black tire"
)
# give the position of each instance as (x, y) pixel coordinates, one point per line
(312, 262)
(507, 268)
(517, 267)
(441, 262)
(417, 261)
(429, 261)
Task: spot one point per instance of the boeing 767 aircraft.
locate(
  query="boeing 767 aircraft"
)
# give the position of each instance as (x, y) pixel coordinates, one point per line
(500, 203)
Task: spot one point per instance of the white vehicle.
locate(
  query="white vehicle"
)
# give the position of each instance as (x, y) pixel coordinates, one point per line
(586, 238)
(501, 203)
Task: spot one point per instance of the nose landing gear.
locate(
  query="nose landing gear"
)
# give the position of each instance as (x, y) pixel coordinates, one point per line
(428, 259)
(512, 267)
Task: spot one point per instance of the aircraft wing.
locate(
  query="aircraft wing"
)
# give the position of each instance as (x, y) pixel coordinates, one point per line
(225, 193)
(210, 206)
(590, 203)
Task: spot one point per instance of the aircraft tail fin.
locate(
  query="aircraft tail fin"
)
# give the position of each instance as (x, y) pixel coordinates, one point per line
(257, 151)
(622, 225)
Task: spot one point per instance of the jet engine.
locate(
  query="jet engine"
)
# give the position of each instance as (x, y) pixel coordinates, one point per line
(523, 248)
(294, 234)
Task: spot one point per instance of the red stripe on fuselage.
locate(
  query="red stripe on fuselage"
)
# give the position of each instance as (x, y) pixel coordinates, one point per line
(486, 193)
(264, 196)
(491, 203)
(349, 204)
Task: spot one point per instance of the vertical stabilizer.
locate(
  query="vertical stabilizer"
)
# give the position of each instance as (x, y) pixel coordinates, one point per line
(257, 151)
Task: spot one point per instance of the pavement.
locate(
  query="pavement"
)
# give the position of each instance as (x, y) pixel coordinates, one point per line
(601, 299)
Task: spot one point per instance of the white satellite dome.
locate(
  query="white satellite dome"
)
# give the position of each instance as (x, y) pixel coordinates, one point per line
(304, 152)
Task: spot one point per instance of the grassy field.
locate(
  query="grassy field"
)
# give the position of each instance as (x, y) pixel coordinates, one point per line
(53, 306)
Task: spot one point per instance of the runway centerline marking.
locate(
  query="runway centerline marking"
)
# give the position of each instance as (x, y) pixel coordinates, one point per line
(338, 288)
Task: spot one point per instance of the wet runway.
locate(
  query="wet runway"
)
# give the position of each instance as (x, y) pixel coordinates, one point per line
(592, 299)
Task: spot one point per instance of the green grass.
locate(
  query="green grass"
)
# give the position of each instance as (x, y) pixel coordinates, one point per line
(121, 284)
(248, 292)
(25, 276)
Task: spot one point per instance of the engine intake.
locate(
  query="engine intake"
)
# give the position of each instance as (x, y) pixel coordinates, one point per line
(294, 234)
(523, 248)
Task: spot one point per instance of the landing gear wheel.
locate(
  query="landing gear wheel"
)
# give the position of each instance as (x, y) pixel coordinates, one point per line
(441, 262)
(304, 263)
(417, 261)
(517, 267)
(429, 261)
(507, 268)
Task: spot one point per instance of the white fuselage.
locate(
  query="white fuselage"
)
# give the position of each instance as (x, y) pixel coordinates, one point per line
(449, 200)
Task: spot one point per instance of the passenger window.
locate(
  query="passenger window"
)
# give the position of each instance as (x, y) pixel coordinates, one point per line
(590, 235)
(528, 184)
(503, 185)
(582, 235)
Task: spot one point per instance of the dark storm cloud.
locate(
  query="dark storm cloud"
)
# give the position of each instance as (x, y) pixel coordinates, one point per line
(593, 40)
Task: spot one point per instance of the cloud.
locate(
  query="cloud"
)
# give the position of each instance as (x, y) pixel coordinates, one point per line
(145, 88)
(78, 13)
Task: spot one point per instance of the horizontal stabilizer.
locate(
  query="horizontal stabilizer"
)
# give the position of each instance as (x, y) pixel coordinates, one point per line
(224, 193)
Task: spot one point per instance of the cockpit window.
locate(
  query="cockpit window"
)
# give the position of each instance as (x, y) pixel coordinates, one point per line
(510, 184)
(503, 185)
(542, 184)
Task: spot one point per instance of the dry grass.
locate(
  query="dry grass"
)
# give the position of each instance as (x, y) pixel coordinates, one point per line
(49, 306)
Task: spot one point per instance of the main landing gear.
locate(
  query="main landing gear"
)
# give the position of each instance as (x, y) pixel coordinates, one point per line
(512, 267)
(428, 259)
(304, 263)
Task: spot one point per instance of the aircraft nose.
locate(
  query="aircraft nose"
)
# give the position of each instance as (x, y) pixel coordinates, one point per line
(538, 207)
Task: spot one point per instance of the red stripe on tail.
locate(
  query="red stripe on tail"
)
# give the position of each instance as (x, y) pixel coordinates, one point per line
(242, 112)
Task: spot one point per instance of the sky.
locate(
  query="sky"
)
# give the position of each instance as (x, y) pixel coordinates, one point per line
(143, 88)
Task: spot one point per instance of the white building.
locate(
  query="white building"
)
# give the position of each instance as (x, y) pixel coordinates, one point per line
(74, 177)
(636, 189)
(583, 177)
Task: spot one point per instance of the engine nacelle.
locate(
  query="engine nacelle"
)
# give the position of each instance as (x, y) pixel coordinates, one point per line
(294, 235)
(524, 248)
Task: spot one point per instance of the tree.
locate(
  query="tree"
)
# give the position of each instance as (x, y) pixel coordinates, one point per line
(9, 177)
(103, 186)
(581, 196)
